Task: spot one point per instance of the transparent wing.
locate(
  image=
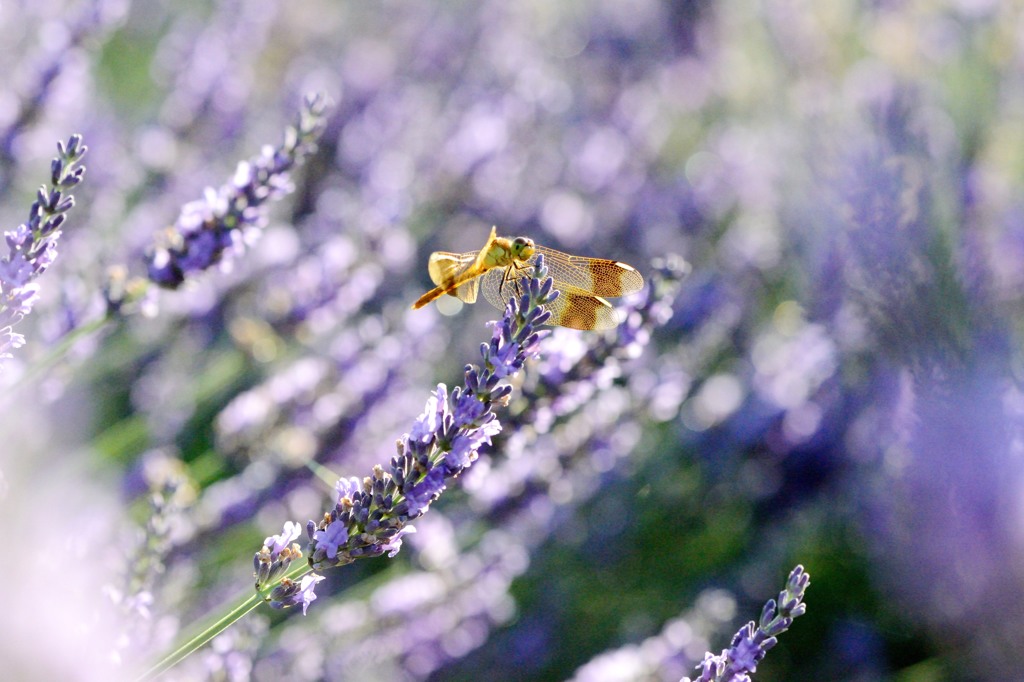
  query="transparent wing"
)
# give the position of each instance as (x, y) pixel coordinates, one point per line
(594, 275)
(574, 307)
(500, 284)
(444, 266)
(467, 292)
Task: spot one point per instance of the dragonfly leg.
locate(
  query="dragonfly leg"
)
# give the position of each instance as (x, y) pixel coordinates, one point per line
(517, 279)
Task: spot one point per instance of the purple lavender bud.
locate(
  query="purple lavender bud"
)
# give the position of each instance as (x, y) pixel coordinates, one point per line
(289, 593)
(256, 563)
(261, 568)
(777, 626)
(32, 246)
(395, 543)
(426, 491)
(277, 554)
(348, 488)
(465, 446)
(798, 581)
(767, 613)
(750, 644)
(210, 230)
(710, 668)
(72, 150)
(58, 220)
(468, 409)
(745, 652)
(426, 425)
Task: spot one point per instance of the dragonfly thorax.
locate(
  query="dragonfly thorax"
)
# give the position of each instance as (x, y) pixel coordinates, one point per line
(505, 252)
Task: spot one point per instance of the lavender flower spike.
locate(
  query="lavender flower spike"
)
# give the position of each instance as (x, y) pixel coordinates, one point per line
(752, 642)
(371, 516)
(278, 552)
(32, 247)
(224, 220)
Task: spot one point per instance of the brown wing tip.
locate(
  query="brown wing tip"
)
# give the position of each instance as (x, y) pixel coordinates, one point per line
(587, 313)
(631, 279)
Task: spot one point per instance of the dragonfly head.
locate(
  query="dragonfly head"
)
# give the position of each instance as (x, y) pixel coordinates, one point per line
(522, 248)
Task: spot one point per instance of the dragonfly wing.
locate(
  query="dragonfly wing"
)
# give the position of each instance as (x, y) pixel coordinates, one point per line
(445, 267)
(599, 276)
(457, 273)
(501, 284)
(578, 309)
(467, 292)
(574, 307)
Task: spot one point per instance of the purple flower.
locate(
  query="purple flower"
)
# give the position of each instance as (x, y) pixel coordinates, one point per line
(331, 538)
(440, 445)
(348, 487)
(751, 643)
(425, 492)
(306, 588)
(289, 593)
(395, 543)
(427, 424)
(276, 543)
(221, 222)
(32, 246)
(277, 554)
(746, 653)
(503, 355)
(466, 445)
(468, 410)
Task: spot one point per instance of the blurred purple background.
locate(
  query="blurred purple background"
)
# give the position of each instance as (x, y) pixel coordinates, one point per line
(836, 383)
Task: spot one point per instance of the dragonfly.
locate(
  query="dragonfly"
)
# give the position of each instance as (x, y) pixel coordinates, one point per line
(500, 266)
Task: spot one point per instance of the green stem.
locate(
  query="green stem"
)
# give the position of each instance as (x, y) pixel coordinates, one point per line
(183, 651)
(220, 625)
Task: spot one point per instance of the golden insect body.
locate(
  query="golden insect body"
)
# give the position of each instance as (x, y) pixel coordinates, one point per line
(502, 263)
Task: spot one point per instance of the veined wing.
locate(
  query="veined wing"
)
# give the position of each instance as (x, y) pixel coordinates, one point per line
(578, 309)
(574, 307)
(446, 267)
(599, 276)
